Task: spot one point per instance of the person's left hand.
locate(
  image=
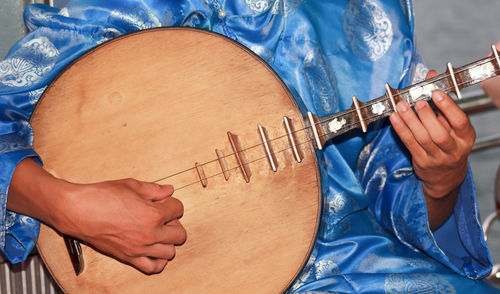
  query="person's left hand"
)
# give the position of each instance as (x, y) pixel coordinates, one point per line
(440, 145)
(491, 86)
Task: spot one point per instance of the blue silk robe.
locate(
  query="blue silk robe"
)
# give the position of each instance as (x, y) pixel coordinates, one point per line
(374, 233)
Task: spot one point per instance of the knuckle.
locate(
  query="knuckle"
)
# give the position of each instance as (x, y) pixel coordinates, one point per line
(137, 250)
(442, 139)
(441, 162)
(130, 249)
(422, 139)
(140, 240)
(125, 254)
(472, 138)
(462, 122)
(181, 207)
(149, 238)
(411, 145)
(130, 252)
(177, 206)
(170, 252)
(401, 130)
(455, 160)
(461, 159)
(160, 265)
(155, 217)
(423, 164)
(183, 235)
(131, 183)
(146, 266)
(179, 203)
(426, 142)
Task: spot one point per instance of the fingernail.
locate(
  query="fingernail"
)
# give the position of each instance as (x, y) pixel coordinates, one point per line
(167, 186)
(419, 105)
(437, 96)
(394, 117)
(402, 106)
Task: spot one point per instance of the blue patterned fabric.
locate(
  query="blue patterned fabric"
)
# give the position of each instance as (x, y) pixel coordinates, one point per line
(374, 233)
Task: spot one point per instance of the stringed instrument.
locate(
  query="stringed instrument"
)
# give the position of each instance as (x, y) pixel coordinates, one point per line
(199, 111)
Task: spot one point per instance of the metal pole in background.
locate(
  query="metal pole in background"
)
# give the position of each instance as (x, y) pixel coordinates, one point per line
(477, 103)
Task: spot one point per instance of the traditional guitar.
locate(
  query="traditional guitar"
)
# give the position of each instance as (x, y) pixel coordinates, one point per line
(167, 112)
(221, 127)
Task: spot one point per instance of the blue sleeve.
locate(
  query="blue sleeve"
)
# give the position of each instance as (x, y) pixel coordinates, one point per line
(397, 201)
(18, 233)
(29, 66)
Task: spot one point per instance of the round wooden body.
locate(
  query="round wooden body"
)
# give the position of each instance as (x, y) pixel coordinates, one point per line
(150, 104)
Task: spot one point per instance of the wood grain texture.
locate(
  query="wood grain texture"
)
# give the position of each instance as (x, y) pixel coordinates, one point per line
(153, 103)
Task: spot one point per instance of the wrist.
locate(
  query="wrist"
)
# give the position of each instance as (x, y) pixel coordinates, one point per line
(446, 184)
(439, 193)
(439, 204)
(59, 213)
(36, 193)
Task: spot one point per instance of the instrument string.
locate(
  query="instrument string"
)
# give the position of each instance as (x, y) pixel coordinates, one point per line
(423, 84)
(368, 104)
(235, 167)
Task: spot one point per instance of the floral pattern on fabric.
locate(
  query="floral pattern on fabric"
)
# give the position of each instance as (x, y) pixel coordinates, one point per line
(372, 40)
(371, 237)
(18, 71)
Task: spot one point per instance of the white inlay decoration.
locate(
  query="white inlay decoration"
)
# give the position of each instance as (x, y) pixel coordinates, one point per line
(378, 108)
(336, 125)
(417, 92)
(481, 72)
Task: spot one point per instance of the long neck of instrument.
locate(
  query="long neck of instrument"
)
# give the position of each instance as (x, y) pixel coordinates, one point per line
(359, 115)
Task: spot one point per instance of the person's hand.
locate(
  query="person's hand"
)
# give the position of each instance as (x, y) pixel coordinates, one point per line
(439, 145)
(133, 221)
(492, 86)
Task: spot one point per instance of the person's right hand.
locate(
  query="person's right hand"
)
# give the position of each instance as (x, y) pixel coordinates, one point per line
(133, 221)
(136, 222)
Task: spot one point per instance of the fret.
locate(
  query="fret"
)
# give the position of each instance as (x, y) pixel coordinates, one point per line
(495, 54)
(453, 79)
(267, 148)
(201, 174)
(316, 130)
(389, 92)
(291, 139)
(240, 156)
(223, 164)
(359, 111)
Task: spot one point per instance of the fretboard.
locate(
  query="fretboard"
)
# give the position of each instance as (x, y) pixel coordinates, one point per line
(361, 114)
